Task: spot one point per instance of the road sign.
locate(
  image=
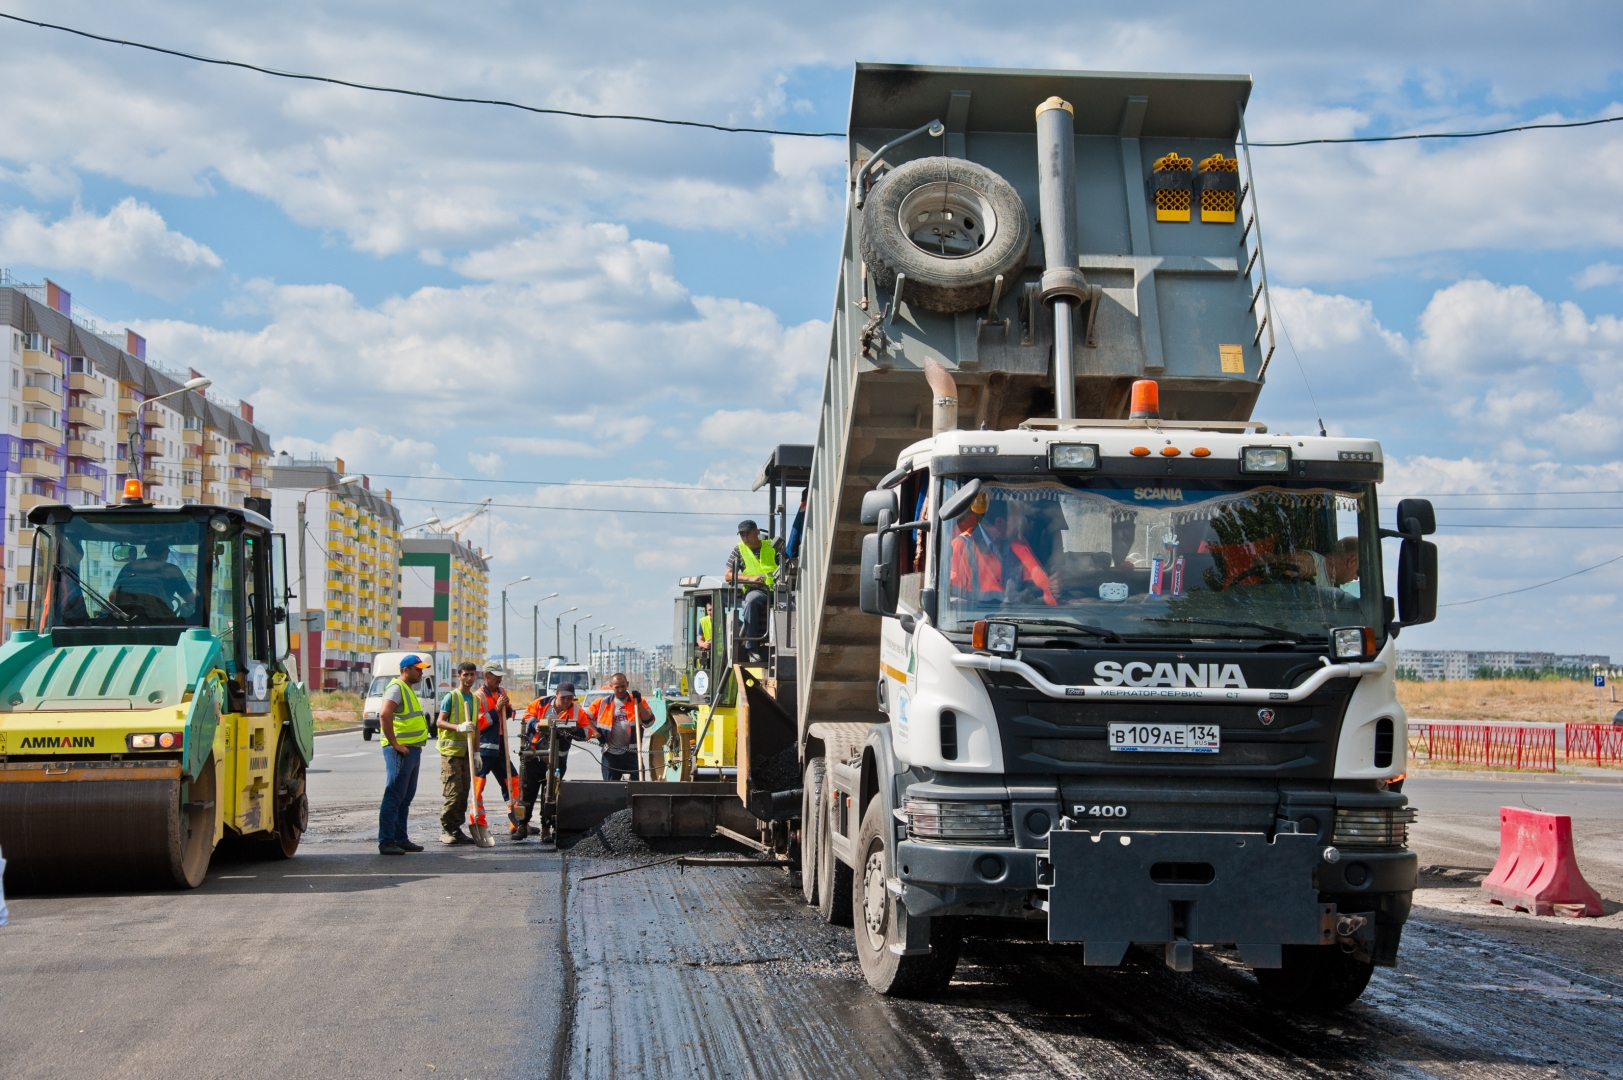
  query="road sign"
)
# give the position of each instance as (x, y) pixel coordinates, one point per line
(1600, 680)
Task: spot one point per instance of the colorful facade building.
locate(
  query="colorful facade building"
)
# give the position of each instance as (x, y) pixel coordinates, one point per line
(352, 566)
(444, 597)
(71, 396)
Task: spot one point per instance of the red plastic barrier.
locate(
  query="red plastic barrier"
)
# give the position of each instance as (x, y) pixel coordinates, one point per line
(1537, 870)
(1529, 747)
(1598, 743)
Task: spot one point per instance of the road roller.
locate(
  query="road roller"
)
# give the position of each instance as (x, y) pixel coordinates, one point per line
(147, 713)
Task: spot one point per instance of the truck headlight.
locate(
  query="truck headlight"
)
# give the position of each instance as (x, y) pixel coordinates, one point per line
(1265, 459)
(1373, 827)
(998, 637)
(958, 822)
(1353, 642)
(1073, 456)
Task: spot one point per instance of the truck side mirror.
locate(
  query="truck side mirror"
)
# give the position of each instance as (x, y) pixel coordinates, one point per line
(1417, 582)
(876, 502)
(878, 586)
(955, 506)
(1416, 517)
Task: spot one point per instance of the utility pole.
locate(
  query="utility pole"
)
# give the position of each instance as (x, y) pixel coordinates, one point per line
(509, 585)
(558, 630)
(574, 628)
(304, 593)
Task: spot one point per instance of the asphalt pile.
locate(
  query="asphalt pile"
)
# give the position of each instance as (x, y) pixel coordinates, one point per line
(781, 772)
(612, 838)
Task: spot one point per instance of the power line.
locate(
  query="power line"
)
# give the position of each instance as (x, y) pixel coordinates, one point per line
(1444, 134)
(1495, 494)
(418, 93)
(553, 483)
(1530, 588)
(731, 129)
(1464, 525)
(582, 509)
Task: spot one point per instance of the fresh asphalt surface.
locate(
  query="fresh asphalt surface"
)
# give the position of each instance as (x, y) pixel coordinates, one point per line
(508, 963)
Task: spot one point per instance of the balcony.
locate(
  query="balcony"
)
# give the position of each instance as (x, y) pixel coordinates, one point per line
(153, 478)
(216, 474)
(78, 380)
(93, 418)
(260, 492)
(212, 499)
(191, 491)
(38, 466)
(34, 360)
(41, 433)
(85, 482)
(191, 437)
(239, 461)
(237, 483)
(40, 395)
(127, 402)
(28, 500)
(81, 448)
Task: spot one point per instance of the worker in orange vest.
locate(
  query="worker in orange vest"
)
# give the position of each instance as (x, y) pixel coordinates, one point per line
(984, 559)
(495, 709)
(619, 720)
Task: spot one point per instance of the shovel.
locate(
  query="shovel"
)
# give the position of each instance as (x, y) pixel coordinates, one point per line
(476, 828)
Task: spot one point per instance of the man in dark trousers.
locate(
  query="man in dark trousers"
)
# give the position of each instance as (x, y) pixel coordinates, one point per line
(495, 709)
(559, 718)
(619, 720)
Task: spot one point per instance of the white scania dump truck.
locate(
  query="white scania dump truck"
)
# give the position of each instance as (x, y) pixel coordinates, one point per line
(1082, 650)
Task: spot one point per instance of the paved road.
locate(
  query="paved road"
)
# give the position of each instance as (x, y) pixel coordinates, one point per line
(464, 963)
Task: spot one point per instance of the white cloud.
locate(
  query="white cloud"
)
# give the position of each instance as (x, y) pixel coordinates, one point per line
(756, 429)
(486, 464)
(1595, 274)
(367, 448)
(130, 243)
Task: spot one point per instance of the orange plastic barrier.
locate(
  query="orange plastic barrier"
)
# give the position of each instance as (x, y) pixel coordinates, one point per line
(1529, 747)
(1537, 869)
(1598, 743)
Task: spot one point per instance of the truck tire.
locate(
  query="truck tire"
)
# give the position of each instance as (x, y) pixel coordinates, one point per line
(972, 218)
(1315, 978)
(887, 972)
(811, 827)
(833, 877)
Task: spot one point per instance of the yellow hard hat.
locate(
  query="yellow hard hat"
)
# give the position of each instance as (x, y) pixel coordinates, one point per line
(979, 504)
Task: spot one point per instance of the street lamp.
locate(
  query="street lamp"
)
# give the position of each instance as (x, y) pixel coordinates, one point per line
(591, 653)
(509, 585)
(535, 637)
(135, 493)
(574, 629)
(304, 594)
(558, 630)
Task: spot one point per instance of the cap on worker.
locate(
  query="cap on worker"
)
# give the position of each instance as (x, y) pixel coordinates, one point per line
(497, 671)
(413, 660)
(566, 688)
(748, 525)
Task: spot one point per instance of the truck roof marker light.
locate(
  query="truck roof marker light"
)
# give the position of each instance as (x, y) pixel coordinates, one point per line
(1170, 451)
(1146, 402)
(132, 490)
(1201, 451)
(1141, 451)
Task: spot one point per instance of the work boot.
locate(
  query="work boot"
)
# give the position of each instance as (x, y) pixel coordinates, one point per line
(454, 838)
(409, 846)
(390, 848)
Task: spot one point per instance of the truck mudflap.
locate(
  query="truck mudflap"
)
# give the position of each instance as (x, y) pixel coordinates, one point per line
(1112, 889)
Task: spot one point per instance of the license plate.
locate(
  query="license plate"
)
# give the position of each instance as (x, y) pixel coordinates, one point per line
(1166, 738)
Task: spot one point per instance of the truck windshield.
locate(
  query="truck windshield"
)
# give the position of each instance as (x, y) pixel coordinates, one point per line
(125, 572)
(1164, 558)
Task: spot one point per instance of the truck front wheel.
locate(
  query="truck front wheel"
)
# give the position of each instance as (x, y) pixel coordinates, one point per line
(811, 827)
(1315, 978)
(879, 945)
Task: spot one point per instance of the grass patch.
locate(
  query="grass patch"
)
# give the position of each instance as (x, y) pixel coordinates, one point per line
(1521, 701)
(339, 706)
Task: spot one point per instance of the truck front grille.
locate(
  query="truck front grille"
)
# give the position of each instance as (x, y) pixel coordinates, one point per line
(958, 822)
(1383, 827)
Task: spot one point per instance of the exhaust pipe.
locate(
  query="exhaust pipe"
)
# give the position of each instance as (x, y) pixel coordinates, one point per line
(944, 415)
(1063, 286)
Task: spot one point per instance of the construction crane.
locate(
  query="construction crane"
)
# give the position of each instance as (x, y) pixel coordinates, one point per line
(458, 524)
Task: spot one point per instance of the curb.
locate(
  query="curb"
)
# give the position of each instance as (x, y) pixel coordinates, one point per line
(1515, 777)
(338, 730)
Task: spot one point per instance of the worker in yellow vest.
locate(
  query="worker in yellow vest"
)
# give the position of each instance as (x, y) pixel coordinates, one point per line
(753, 564)
(405, 730)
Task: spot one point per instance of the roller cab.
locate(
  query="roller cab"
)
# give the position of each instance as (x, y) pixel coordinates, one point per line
(146, 714)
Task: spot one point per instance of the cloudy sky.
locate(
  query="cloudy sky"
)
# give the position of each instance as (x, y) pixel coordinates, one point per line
(467, 301)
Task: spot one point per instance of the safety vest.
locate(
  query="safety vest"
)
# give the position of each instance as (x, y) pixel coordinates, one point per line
(704, 628)
(487, 702)
(455, 743)
(603, 714)
(765, 564)
(410, 729)
(1034, 570)
(568, 722)
(975, 569)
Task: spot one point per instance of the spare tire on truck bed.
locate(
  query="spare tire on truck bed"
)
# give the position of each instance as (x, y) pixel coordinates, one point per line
(951, 226)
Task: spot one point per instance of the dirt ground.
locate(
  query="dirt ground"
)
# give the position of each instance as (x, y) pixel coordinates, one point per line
(1545, 701)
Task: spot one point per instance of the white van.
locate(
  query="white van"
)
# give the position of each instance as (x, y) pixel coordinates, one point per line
(553, 674)
(386, 666)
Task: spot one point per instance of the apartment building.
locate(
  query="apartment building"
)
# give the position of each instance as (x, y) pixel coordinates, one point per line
(444, 596)
(352, 566)
(72, 396)
(1443, 665)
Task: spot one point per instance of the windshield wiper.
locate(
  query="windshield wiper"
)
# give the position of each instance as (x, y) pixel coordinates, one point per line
(1278, 631)
(1080, 628)
(93, 594)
